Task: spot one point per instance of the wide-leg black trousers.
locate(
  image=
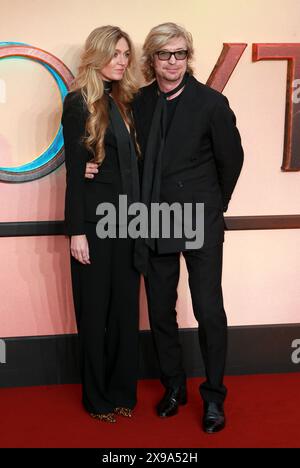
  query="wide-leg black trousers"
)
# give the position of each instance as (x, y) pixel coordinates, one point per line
(106, 300)
(205, 271)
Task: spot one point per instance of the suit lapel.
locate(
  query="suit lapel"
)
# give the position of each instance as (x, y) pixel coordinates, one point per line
(143, 111)
(126, 153)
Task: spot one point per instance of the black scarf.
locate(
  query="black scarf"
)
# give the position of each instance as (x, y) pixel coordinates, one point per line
(126, 149)
(107, 86)
(152, 170)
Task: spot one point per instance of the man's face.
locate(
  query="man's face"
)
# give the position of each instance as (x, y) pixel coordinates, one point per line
(171, 70)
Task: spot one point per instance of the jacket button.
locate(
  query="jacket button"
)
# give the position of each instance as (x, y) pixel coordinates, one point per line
(180, 184)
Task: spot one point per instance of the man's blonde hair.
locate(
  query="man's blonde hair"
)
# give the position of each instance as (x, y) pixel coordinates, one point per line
(157, 39)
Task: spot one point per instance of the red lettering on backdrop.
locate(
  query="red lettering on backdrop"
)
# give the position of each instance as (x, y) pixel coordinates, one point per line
(227, 61)
(291, 53)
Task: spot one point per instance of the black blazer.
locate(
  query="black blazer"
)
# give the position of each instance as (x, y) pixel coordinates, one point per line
(83, 195)
(202, 158)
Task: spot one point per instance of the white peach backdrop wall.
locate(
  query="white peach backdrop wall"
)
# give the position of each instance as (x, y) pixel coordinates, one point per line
(261, 268)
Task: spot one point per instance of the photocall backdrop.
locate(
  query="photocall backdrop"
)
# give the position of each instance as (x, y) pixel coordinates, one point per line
(261, 267)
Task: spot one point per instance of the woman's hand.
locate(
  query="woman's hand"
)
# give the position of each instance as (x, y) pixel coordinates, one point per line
(80, 249)
(90, 170)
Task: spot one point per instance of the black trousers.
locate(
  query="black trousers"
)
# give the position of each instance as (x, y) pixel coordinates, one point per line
(205, 271)
(106, 300)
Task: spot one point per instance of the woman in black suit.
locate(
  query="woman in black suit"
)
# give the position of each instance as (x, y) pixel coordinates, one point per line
(97, 126)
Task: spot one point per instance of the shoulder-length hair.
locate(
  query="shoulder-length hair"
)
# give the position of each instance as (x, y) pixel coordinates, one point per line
(157, 39)
(98, 51)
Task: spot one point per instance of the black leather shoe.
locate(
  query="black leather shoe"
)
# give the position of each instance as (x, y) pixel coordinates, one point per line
(172, 398)
(214, 417)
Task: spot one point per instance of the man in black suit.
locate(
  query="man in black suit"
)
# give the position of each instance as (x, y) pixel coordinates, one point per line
(192, 154)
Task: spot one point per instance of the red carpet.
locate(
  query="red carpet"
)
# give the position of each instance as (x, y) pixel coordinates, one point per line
(262, 411)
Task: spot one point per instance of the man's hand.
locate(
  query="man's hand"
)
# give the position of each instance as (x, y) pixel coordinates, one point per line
(90, 170)
(80, 249)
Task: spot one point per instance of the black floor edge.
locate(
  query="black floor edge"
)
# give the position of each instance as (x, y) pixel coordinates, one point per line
(46, 360)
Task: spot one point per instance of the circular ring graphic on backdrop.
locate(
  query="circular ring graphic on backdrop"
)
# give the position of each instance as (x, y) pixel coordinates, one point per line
(53, 156)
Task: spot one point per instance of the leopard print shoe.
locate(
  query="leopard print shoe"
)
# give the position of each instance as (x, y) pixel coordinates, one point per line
(126, 412)
(108, 417)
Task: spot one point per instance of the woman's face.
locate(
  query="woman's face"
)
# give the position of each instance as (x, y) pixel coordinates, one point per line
(114, 70)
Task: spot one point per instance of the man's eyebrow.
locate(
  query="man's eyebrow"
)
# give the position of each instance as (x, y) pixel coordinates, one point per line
(176, 50)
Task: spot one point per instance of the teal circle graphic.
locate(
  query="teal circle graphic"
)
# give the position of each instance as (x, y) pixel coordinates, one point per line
(53, 156)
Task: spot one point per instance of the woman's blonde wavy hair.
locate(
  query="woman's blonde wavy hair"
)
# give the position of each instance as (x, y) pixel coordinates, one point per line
(157, 39)
(98, 52)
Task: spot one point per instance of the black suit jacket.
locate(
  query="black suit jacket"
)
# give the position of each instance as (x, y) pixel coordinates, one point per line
(202, 157)
(83, 195)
